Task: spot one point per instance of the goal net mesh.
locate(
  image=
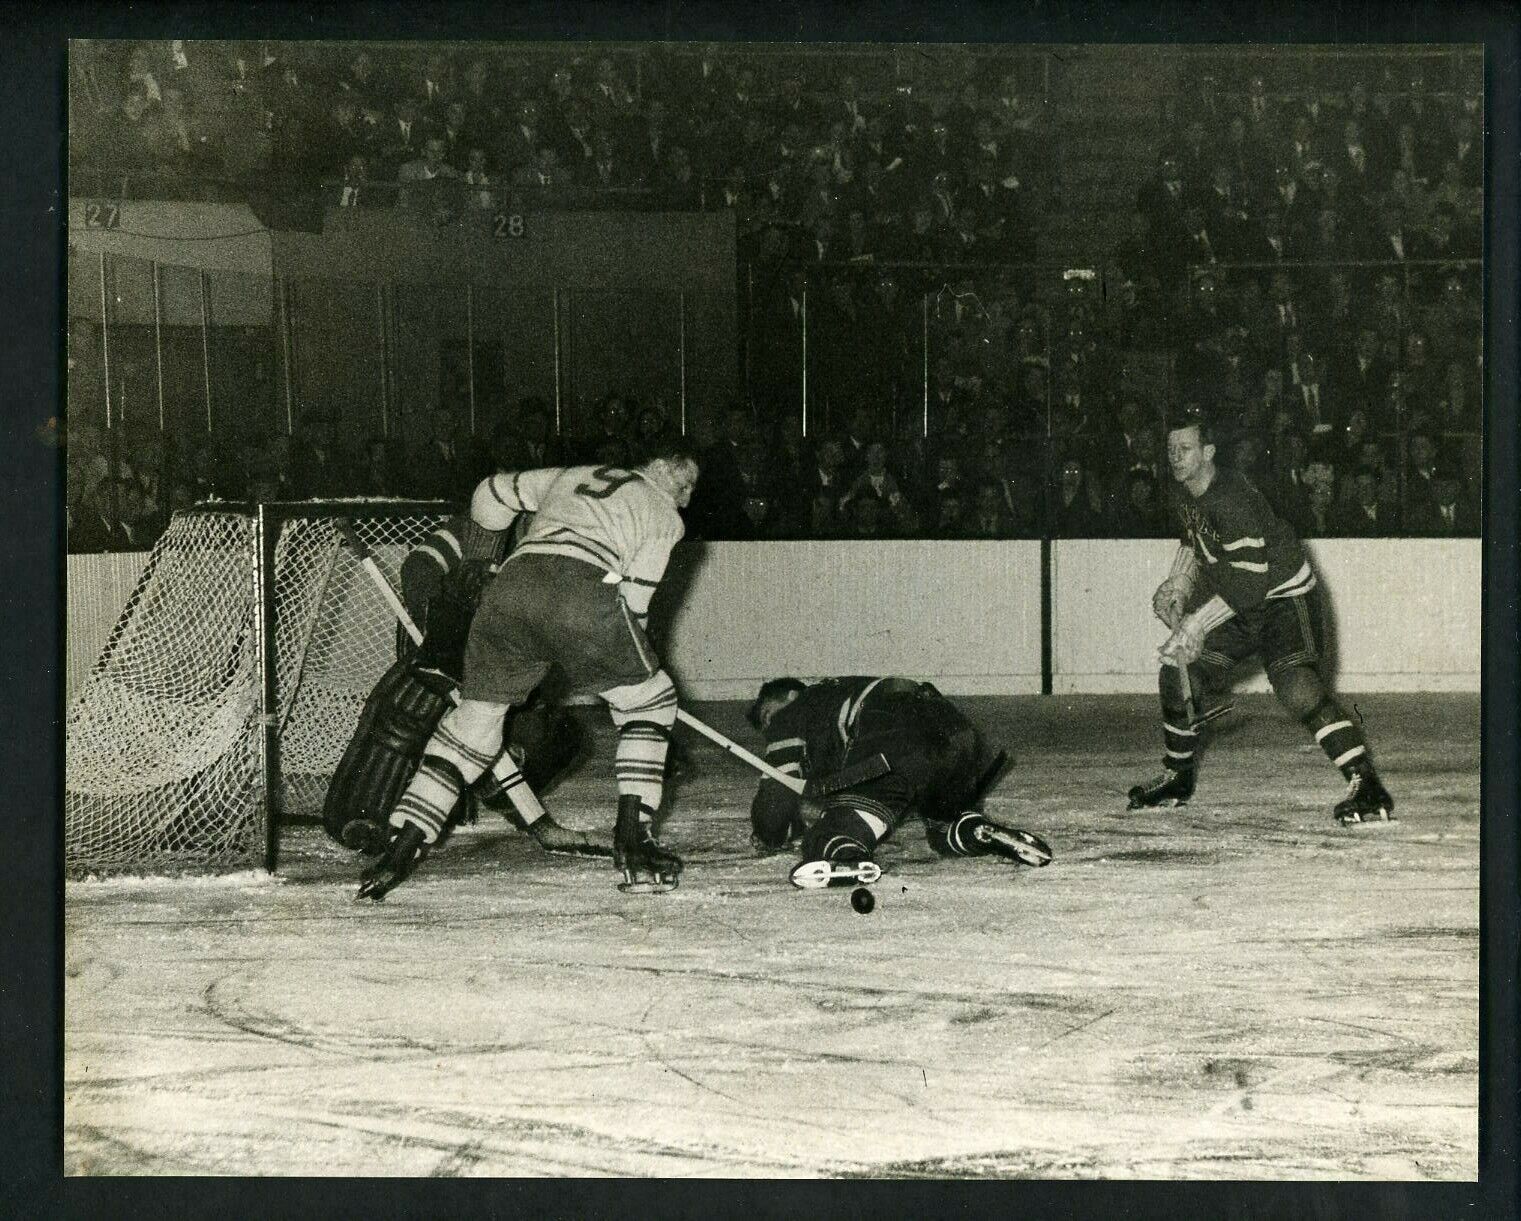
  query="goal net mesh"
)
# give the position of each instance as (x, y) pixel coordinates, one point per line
(164, 742)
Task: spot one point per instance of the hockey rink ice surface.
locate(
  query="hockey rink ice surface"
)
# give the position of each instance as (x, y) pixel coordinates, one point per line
(1237, 989)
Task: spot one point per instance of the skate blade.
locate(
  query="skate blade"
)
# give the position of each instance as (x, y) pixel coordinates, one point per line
(1026, 848)
(646, 886)
(1382, 819)
(817, 875)
(1171, 803)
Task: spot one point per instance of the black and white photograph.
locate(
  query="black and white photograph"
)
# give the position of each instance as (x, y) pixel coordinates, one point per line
(774, 609)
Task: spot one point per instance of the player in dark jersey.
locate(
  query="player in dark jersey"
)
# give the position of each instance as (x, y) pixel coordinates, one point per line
(937, 768)
(1241, 586)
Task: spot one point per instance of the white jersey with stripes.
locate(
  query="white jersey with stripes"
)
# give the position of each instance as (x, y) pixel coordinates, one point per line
(613, 518)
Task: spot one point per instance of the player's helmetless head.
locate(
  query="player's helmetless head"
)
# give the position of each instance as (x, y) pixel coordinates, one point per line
(1189, 453)
(676, 476)
(773, 696)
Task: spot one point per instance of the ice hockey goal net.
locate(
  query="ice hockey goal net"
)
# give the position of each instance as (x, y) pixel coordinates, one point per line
(231, 684)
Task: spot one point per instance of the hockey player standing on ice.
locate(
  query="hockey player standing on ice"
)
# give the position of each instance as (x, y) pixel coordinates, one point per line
(1245, 583)
(936, 767)
(441, 582)
(441, 585)
(575, 592)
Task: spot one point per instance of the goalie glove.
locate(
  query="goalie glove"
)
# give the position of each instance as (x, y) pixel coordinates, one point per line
(1186, 643)
(450, 612)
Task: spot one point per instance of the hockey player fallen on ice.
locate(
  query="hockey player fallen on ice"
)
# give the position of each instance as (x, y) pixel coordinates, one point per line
(937, 769)
(441, 582)
(1241, 586)
(575, 594)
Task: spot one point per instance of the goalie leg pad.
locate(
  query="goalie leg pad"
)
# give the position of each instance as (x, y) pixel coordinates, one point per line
(399, 717)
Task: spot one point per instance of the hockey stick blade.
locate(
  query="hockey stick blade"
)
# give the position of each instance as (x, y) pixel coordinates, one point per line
(857, 773)
(816, 875)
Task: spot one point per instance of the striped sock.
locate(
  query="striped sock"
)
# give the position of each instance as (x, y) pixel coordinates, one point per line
(640, 761)
(1179, 744)
(463, 746)
(1342, 741)
(430, 797)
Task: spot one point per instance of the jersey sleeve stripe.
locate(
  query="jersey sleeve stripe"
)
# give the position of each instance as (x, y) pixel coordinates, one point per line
(1301, 582)
(1249, 566)
(642, 581)
(447, 537)
(783, 744)
(502, 500)
(1243, 542)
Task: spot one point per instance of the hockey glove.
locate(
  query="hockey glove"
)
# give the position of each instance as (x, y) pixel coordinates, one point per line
(1186, 643)
(1167, 602)
(394, 868)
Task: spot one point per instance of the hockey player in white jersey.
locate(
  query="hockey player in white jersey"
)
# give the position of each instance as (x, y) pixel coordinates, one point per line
(575, 593)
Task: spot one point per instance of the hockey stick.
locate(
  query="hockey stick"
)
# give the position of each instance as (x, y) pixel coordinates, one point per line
(857, 773)
(1195, 717)
(366, 559)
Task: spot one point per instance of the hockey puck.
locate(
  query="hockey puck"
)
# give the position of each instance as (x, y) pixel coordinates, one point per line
(862, 899)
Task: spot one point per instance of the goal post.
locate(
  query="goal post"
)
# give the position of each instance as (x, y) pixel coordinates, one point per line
(231, 683)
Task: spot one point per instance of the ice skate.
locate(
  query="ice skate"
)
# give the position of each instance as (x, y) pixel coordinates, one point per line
(843, 862)
(1367, 801)
(1022, 847)
(648, 866)
(1172, 788)
(406, 852)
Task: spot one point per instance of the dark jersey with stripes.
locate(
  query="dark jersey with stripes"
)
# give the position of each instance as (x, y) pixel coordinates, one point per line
(931, 748)
(1246, 552)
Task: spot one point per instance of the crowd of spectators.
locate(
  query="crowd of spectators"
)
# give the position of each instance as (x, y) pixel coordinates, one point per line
(844, 155)
(1301, 262)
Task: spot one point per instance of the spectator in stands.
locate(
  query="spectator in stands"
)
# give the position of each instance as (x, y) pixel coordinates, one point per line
(1075, 512)
(477, 180)
(1286, 484)
(428, 184)
(1320, 518)
(442, 464)
(877, 481)
(1141, 514)
(651, 426)
(825, 475)
(1448, 512)
(400, 141)
(989, 517)
(1367, 515)
(1316, 405)
(379, 475)
(353, 189)
(759, 498)
(534, 439)
(610, 442)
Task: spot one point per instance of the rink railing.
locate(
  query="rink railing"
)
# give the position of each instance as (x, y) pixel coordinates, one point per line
(978, 618)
